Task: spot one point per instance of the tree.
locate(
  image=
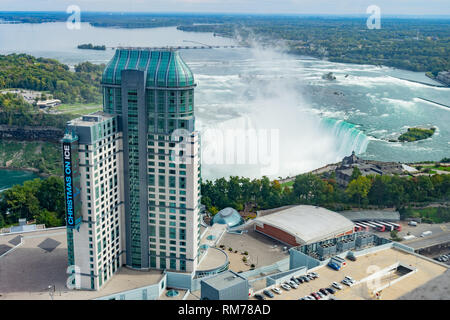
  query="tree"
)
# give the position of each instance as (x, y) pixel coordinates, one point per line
(48, 218)
(359, 188)
(213, 210)
(355, 174)
(51, 195)
(309, 189)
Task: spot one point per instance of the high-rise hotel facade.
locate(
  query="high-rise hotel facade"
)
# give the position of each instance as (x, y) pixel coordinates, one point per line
(138, 171)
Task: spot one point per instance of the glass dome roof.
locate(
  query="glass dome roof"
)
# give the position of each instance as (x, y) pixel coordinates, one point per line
(165, 69)
(228, 216)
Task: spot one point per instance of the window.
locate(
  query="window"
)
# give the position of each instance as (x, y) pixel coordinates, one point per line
(172, 233)
(162, 232)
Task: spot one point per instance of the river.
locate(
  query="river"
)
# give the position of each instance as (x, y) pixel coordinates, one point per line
(8, 178)
(312, 120)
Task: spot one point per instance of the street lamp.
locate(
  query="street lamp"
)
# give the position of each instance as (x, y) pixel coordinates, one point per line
(51, 291)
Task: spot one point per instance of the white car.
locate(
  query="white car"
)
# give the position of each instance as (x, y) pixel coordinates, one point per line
(350, 279)
(285, 287)
(293, 284)
(347, 282)
(315, 274)
(336, 285)
(321, 295)
(276, 290)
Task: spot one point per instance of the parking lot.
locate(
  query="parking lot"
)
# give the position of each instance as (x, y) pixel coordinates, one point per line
(362, 268)
(443, 257)
(438, 230)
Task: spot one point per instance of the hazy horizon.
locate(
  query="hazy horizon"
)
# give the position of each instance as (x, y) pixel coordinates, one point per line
(270, 7)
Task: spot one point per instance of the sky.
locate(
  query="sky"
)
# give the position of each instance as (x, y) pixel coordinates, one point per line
(338, 7)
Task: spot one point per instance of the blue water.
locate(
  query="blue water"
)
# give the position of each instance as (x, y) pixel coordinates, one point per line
(8, 178)
(318, 121)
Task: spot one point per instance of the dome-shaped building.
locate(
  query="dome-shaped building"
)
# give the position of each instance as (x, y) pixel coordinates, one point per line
(228, 216)
(164, 68)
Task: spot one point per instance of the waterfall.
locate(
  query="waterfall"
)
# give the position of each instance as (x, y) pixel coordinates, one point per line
(348, 136)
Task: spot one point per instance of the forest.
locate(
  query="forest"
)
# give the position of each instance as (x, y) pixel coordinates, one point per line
(43, 199)
(23, 71)
(362, 192)
(40, 200)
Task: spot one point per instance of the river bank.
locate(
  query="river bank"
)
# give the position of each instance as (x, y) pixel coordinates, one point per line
(14, 176)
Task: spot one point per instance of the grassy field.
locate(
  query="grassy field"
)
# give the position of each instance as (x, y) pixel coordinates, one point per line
(78, 109)
(432, 167)
(44, 156)
(432, 214)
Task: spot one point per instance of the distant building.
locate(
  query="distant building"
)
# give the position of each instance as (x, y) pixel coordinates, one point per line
(23, 226)
(444, 76)
(225, 286)
(48, 103)
(367, 167)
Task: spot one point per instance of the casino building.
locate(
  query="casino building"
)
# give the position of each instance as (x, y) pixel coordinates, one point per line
(136, 167)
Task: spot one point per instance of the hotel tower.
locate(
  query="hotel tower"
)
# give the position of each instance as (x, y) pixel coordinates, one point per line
(132, 172)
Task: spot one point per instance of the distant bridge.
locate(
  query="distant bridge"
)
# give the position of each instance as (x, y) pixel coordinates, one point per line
(171, 48)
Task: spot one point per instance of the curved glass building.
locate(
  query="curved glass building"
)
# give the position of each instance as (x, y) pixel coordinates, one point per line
(228, 216)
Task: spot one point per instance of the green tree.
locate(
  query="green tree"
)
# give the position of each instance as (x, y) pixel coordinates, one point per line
(359, 188)
(355, 174)
(48, 218)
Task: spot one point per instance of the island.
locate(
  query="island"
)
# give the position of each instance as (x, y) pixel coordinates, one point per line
(415, 134)
(90, 46)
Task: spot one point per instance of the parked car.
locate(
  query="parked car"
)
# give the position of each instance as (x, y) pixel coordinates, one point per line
(300, 279)
(293, 284)
(334, 266)
(309, 297)
(295, 280)
(349, 278)
(330, 290)
(321, 295)
(306, 279)
(315, 274)
(276, 290)
(337, 285)
(315, 295)
(310, 277)
(325, 292)
(347, 282)
(268, 293)
(286, 287)
(351, 257)
(259, 297)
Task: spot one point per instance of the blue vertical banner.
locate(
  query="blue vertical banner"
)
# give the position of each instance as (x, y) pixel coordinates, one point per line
(71, 187)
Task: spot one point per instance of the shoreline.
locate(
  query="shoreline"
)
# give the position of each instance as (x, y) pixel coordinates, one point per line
(28, 169)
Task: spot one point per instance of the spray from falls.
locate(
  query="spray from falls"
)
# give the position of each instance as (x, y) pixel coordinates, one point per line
(270, 129)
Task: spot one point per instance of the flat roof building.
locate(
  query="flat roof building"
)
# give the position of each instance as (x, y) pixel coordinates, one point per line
(227, 285)
(303, 224)
(92, 158)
